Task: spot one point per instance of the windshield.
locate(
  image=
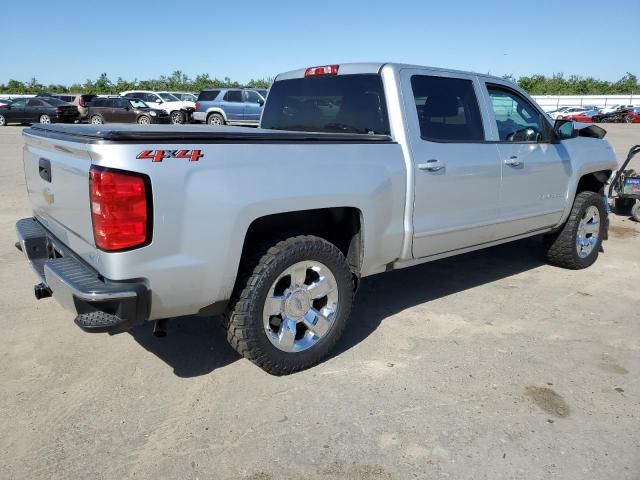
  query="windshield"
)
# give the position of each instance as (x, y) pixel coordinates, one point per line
(136, 103)
(337, 103)
(167, 97)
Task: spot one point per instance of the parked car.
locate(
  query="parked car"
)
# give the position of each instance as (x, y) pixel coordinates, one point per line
(634, 115)
(618, 116)
(568, 111)
(38, 109)
(124, 110)
(559, 111)
(178, 111)
(616, 108)
(351, 175)
(584, 117)
(186, 97)
(80, 100)
(229, 106)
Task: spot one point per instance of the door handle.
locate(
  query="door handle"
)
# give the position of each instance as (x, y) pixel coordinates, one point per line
(513, 161)
(44, 169)
(432, 165)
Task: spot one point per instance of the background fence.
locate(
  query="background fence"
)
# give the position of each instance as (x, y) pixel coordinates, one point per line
(552, 102)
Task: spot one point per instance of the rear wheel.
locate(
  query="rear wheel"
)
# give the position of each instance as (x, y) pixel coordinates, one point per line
(635, 212)
(578, 243)
(143, 120)
(97, 120)
(45, 119)
(176, 117)
(3, 121)
(291, 305)
(215, 119)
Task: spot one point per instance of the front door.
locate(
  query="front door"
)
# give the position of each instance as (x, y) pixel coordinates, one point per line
(17, 111)
(456, 172)
(252, 106)
(535, 169)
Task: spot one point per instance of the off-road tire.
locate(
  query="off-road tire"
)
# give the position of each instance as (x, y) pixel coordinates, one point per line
(560, 246)
(215, 119)
(244, 320)
(635, 212)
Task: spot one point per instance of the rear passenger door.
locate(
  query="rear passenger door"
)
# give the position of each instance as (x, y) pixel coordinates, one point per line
(456, 171)
(535, 169)
(233, 105)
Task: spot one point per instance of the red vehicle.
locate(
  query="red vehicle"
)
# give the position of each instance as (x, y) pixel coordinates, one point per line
(633, 116)
(581, 117)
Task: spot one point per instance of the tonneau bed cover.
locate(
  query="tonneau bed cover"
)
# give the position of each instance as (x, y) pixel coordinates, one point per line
(190, 133)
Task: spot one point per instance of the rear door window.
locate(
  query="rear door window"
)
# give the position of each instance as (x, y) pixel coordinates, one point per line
(233, 96)
(447, 109)
(337, 103)
(208, 95)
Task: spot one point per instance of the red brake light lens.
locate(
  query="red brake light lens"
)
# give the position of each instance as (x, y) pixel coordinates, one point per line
(119, 209)
(324, 70)
(197, 105)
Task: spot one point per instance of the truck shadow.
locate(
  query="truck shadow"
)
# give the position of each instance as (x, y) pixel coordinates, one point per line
(197, 346)
(381, 296)
(193, 346)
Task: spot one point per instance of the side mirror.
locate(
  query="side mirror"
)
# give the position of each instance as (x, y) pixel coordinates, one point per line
(564, 129)
(261, 102)
(158, 101)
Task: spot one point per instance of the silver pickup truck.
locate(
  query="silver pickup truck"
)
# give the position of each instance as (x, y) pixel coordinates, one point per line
(357, 169)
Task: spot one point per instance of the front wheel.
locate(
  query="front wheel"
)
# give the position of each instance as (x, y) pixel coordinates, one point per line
(577, 244)
(96, 120)
(291, 305)
(177, 117)
(45, 119)
(143, 120)
(3, 121)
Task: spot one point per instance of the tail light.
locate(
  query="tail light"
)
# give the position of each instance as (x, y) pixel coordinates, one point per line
(82, 103)
(324, 70)
(120, 209)
(59, 109)
(197, 105)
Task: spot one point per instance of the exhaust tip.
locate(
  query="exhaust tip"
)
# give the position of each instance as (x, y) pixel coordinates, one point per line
(41, 291)
(160, 328)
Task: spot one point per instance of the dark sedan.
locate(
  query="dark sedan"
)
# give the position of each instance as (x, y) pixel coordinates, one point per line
(40, 109)
(124, 110)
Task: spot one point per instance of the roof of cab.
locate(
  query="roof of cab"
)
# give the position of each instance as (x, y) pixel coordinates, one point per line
(376, 67)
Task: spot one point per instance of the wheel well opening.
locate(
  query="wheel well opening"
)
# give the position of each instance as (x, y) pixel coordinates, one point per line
(593, 182)
(341, 226)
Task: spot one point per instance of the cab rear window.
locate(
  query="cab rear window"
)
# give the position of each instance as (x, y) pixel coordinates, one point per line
(336, 103)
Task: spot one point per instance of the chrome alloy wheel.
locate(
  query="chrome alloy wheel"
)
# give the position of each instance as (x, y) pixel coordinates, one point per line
(2, 121)
(588, 232)
(45, 119)
(301, 306)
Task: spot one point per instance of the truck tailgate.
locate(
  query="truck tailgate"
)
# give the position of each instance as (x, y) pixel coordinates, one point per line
(57, 179)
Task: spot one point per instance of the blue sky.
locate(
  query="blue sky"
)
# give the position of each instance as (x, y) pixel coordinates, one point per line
(67, 41)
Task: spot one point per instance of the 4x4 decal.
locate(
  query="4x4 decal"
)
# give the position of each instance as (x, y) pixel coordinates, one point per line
(159, 155)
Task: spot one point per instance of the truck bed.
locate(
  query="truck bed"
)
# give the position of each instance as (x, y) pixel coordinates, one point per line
(192, 133)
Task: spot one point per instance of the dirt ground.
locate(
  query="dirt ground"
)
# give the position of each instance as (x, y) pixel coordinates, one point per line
(491, 365)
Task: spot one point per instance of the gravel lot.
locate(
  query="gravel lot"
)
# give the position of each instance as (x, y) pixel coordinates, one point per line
(491, 365)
